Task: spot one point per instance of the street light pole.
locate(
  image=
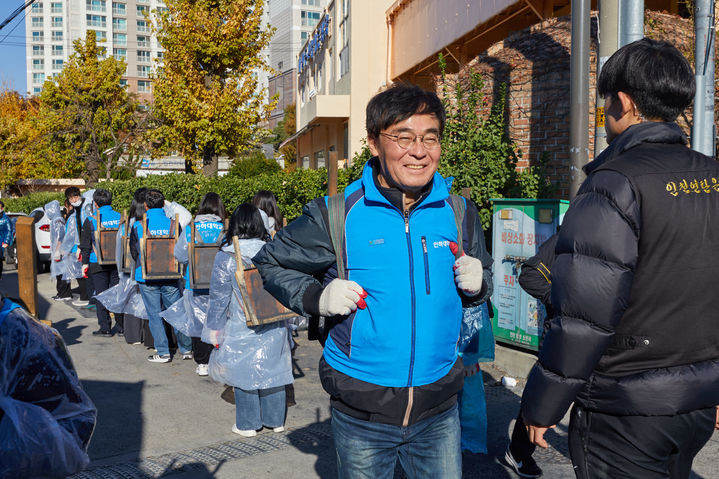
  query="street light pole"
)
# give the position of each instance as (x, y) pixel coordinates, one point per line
(579, 95)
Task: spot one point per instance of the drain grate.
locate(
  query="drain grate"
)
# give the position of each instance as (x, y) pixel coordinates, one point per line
(155, 467)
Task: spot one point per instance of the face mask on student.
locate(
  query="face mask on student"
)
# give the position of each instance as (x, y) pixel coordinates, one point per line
(77, 203)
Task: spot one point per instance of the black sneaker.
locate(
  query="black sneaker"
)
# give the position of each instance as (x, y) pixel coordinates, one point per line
(525, 468)
(120, 332)
(102, 333)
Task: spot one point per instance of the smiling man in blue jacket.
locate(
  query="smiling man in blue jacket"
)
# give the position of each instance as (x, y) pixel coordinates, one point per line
(390, 362)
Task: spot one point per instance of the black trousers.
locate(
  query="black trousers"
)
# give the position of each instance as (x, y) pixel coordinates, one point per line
(520, 446)
(102, 280)
(82, 288)
(63, 287)
(629, 447)
(201, 351)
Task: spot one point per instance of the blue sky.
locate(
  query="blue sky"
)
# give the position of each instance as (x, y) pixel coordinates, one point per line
(12, 48)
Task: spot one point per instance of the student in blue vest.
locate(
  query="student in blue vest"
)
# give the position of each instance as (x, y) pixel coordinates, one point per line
(191, 311)
(103, 276)
(157, 295)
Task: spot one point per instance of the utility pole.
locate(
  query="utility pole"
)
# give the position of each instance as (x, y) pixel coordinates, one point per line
(608, 35)
(579, 95)
(703, 130)
(631, 21)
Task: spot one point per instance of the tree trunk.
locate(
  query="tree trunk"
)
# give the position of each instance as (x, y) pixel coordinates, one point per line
(209, 161)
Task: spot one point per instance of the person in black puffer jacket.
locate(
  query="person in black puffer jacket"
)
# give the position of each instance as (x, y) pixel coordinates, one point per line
(634, 343)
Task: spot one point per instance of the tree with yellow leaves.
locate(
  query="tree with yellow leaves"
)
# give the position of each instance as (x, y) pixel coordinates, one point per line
(205, 93)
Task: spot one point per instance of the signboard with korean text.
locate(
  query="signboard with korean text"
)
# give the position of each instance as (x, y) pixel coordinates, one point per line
(519, 226)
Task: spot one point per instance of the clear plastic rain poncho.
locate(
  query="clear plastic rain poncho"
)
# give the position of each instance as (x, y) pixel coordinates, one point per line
(171, 209)
(189, 313)
(250, 358)
(46, 419)
(124, 297)
(69, 248)
(57, 233)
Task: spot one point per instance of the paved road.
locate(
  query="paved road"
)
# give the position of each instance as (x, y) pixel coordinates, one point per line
(158, 420)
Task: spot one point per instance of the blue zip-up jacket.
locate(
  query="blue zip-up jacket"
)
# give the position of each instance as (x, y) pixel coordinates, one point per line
(407, 336)
(109, 218)
(157, 224)
(6, 229)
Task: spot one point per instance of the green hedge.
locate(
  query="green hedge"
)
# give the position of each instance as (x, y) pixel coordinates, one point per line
(292, 189)
(27, 203)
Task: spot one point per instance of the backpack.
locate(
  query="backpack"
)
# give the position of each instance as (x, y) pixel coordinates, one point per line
(158, 253)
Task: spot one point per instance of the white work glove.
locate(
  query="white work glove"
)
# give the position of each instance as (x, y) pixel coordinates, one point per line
(341, 297)
(215, 338)
(469, 275)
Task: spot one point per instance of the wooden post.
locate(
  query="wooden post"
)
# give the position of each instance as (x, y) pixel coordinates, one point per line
(332, 174)
(467, 193)
(26, 267)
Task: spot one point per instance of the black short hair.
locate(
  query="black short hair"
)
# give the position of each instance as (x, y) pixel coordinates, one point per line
(72, 191)
(102, 197)
(245, 222)
(211, 204)
(654, 73)
(154, 199)
(399, 102)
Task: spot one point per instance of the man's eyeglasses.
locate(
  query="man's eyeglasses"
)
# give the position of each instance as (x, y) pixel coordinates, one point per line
(405, 140)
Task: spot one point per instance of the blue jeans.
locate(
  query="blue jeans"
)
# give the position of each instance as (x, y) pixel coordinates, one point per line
(369, 450)
(157, 298)
(259, 407)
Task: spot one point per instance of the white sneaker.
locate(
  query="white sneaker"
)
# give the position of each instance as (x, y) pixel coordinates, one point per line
(187, 355)
(80, 302)
(278, 429)
(244, 432)
(202, 370)
(156, 358)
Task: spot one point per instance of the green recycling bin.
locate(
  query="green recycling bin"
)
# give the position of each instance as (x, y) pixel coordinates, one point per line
(519, 226)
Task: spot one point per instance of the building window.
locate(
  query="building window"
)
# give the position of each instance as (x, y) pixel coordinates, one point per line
(96, 21)
(36, 91)
(119, 53)
(36, 8)
(305, 162)
(38, 64)
(119, 8)
(143, 56)
(143, 71)
(95, 5)
(142, 10)
(36, 22)
(57, 50)
(309, 19)
(304, 36)
(142, 26)
(38, 50)
(344, 61)
(314, 3)
(57, 64)
(160, 56)
(56, 7)
(143, 42)
(56, 35)
(38, 77)
(119, 39)
(143, 86)
(123, 82)
(56, 22)
(100, 36)
(38, 36)
(320, 159)
(119, 24)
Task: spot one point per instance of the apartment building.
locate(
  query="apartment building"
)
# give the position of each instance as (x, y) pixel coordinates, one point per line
(120, 26)
(294, 21)
(342, 65)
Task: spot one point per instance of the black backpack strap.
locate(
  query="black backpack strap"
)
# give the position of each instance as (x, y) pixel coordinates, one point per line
(459, 206)
(336, 216)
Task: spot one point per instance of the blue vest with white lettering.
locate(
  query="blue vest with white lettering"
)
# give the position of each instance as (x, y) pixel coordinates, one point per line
(205, 232)
(158, 224)
(109, 218)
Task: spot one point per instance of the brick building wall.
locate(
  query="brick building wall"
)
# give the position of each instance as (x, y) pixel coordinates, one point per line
(534, 63)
